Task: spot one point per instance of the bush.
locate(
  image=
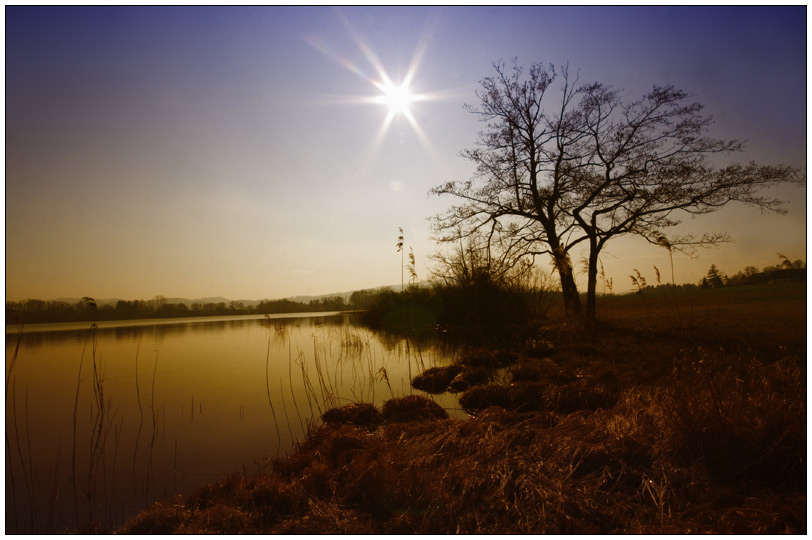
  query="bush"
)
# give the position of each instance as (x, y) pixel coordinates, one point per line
(484, 312)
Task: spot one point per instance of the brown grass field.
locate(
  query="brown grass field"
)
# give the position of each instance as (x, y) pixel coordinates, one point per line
(658, 418)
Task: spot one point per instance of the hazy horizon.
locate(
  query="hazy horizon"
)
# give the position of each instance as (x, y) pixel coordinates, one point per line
(208, 296)
(248, 153)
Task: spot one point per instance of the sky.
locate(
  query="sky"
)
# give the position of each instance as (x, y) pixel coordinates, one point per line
(248, 153)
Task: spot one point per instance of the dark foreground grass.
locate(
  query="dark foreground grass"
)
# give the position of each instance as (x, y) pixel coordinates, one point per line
(633, 425)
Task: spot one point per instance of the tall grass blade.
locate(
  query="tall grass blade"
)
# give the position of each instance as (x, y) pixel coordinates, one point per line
(268, 391)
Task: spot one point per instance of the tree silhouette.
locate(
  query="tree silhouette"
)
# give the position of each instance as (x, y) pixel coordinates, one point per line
(582, 167)
(714, 278)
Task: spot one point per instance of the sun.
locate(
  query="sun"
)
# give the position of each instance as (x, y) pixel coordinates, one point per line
(397, 98)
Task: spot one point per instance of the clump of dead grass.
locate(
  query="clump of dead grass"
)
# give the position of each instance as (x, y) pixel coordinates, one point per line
(487, 358)
(467, 378)
(587, 394)
(359, 414)
(436, 380)
(411, 408)
(541, 369)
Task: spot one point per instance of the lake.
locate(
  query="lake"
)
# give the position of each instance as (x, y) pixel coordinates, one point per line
(100, 422)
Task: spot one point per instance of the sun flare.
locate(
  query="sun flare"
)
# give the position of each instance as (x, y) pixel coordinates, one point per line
(397, 98)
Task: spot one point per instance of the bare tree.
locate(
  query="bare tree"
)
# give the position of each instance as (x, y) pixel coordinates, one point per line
(592, 167)
(521, 185)
(650, 159)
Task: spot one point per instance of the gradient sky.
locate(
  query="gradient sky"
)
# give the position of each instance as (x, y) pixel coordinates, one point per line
(237, 152)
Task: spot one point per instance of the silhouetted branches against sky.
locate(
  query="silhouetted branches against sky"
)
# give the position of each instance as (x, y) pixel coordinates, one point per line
(593, 166)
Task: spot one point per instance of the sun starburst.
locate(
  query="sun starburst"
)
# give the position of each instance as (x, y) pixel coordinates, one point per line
(397, 97)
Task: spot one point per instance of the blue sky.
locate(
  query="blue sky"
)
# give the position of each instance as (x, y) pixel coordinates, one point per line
(237, 152)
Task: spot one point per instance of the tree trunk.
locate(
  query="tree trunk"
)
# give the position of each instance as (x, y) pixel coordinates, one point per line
(572, 301)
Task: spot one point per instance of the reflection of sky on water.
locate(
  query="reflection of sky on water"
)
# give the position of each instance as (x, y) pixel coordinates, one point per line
(37, 335)
(158, 329)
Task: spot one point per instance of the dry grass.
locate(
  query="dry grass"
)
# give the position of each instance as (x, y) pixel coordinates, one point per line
(358, 414)
(674, 459)
(630, 426)
(467, 378)
(411, 408)
(436, 380)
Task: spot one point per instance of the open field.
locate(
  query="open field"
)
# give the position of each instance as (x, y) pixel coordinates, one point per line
(658, 418)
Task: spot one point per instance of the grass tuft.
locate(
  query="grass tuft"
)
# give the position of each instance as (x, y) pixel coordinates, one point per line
(412, 408)
(467, 378)
(358, 414)
(436, 380)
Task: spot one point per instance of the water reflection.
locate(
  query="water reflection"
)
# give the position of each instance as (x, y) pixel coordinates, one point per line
(102, 422)
(158, 329)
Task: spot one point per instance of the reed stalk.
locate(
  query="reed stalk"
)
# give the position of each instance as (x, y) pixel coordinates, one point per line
(308, 387)
(290, 381)
(30, 461)
(285, 408)
(75, 418)
(20, 455)
(268, 391)
(54, 488)
(152, 401)
(149, 476)
(327, 393)
(140, 412)
(8, 442)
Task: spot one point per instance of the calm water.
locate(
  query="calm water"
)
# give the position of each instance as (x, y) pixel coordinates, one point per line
(100, 423)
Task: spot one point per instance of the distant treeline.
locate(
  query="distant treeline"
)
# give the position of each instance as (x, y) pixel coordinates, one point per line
(787, 271)
(476, 304)
(42, 311)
